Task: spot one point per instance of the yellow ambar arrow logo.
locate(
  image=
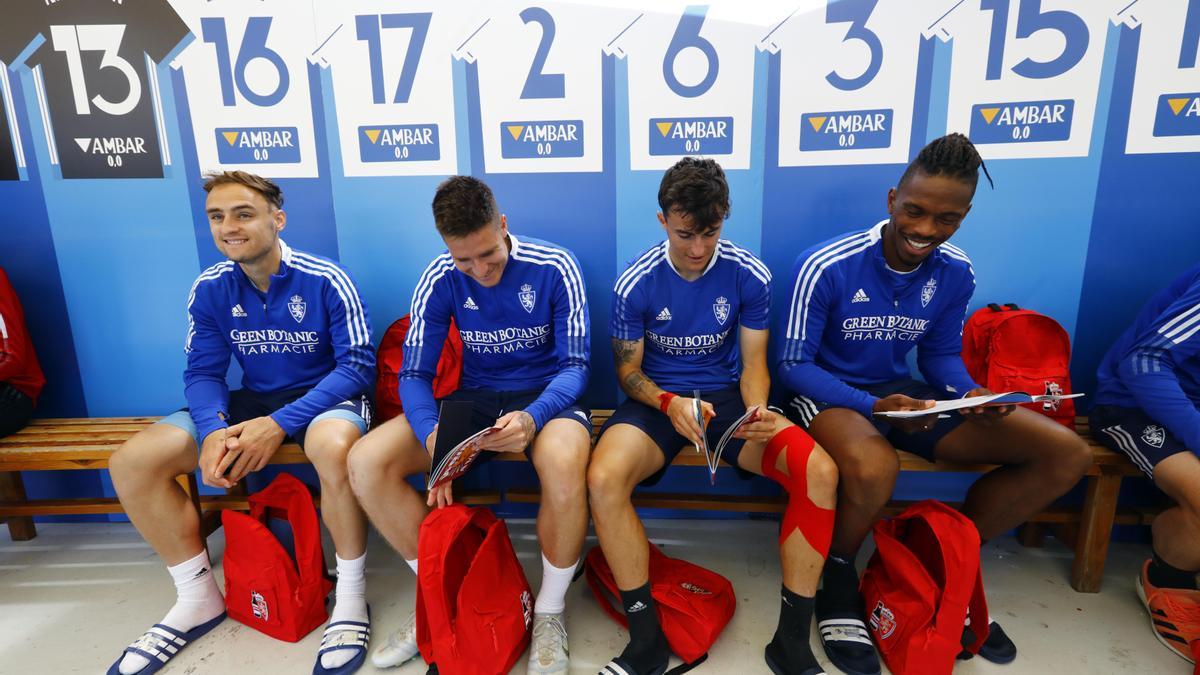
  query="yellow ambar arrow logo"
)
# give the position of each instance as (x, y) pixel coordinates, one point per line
(817, 122)
(1177, 104)
(372, 134)
(989, 114)
(515, 130)
(230, 136)
(664, 128)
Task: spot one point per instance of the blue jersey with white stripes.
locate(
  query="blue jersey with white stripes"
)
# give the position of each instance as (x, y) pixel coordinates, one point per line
(689, 328)
(1155, 364)
(309, 330)
(852, 320)
(529, 331)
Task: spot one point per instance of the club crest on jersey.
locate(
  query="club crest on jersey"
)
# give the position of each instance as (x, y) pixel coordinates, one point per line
(258, 605)
(527, 296)
(297, 307)
(883, 622)
(927, 292)
(1154, 435)
(721, 310)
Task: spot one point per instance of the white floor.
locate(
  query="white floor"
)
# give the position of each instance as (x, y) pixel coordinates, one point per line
(72, 598)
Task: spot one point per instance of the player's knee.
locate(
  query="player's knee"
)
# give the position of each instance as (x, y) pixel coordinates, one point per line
(1071, 457)
(607, 485)
(366, 465)
(869, 474)
(822, 472)
(142, 458)
(332, 464)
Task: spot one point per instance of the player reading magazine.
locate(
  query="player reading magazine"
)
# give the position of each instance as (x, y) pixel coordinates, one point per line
(691, 314)
(520, 309)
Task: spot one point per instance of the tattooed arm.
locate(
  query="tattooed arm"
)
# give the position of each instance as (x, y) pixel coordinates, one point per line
(628, 356)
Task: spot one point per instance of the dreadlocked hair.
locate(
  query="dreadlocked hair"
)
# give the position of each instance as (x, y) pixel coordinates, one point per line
(952, 155)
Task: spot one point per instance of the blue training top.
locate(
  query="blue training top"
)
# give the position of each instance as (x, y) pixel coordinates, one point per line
(309, 330)
(1155, 364)
(529, 331)
(852, 320)
(689, 327)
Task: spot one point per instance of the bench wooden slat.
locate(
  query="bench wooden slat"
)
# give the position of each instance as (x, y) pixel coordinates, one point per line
(88, 443)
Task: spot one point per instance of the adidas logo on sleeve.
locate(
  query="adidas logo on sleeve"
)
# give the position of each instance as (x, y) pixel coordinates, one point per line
(860, 296)
(664, 315)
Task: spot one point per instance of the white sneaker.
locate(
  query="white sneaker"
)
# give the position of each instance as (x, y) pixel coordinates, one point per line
(400, 647)
(548, 654)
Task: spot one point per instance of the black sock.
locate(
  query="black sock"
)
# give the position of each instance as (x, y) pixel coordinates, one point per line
(1164, 575)
(840, 580)
(647, 646)
(791, 637)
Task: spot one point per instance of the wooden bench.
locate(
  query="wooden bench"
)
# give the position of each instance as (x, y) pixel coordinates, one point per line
(87, 443)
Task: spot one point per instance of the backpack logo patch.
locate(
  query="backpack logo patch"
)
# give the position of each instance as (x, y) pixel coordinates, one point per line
(527, 608)
(527, 296)
(259, 606)
(883, 622)
(297, 308)
(693, 588)
(721, 310)
(1154, 435)
(1052, 389)
(927, 292)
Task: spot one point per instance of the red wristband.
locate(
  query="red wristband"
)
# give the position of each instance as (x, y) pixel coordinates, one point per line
(664, 400)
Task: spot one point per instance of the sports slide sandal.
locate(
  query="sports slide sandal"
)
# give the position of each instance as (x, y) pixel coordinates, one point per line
(160, 644)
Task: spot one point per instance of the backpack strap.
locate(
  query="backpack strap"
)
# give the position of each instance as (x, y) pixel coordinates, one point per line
(994, 307)
(287, 495)
(1012, 306)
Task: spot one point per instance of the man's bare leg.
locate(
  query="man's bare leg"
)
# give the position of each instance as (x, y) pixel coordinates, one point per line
(327, 444)
(143, 471)
(624, 457)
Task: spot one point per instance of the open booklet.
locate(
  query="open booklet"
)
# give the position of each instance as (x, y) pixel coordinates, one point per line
(1007, 398)
(713, 455)
(456, 447)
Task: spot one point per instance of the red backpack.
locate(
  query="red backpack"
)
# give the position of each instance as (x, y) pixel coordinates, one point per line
(694, 604)
(919, 585)
(265, 588)
(390, 359)
(474, 606)
(1012, 349)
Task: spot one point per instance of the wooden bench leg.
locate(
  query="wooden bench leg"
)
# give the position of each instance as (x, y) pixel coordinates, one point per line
(12, 489)
(1095, 530)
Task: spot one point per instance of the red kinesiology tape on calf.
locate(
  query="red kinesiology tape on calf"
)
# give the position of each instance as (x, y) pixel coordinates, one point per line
(814, 522)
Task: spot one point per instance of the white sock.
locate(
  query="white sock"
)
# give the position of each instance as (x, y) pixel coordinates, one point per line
(198, 601)
(413, 564)
(350, 603)
(552, 598)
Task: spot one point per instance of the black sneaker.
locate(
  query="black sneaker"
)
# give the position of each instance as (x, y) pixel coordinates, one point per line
(997, 648)
(844, 635)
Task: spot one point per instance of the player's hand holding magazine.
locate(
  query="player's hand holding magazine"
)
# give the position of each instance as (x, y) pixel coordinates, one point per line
(456, 448)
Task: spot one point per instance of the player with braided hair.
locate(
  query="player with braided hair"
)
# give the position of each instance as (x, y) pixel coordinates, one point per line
(859, 303)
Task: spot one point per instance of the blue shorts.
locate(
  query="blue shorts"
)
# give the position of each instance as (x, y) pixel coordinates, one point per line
(728, 405)
(1134, 433)
(246, 405)
(802, 410)
(489, 405)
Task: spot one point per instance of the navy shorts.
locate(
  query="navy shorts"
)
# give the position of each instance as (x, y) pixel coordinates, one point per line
(246, 405)
(802, 410)
(1132, 432)
(726, 402)
(489, 405)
